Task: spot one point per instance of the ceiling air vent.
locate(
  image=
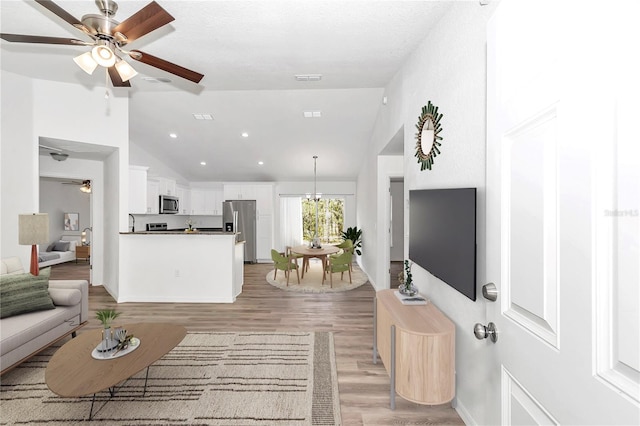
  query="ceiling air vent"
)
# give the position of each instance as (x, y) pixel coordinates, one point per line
(202, 116)
(308, 77)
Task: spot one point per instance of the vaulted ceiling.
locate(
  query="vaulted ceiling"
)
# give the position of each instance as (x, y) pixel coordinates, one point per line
(249, 52)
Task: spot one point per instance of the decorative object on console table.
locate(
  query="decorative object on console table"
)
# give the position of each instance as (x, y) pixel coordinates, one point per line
(106, 316)
(33, 229)
(406, 287)
(71, 222)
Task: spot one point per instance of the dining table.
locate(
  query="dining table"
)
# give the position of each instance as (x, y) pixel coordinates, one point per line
(310, 252)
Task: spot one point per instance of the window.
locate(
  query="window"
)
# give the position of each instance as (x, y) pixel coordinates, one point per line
(330, 219)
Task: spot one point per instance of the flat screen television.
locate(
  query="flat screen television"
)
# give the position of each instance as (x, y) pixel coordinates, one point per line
(442, 236)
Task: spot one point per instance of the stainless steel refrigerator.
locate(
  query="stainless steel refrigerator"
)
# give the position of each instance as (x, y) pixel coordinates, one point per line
(244, 222)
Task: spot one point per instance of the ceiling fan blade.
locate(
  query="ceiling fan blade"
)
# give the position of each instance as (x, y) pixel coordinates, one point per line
(115, 78)
(166, 66)
(147, 19)
(60, 12)
(19, 38)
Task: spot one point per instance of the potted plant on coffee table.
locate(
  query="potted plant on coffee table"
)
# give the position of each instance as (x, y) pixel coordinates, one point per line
(106, 316)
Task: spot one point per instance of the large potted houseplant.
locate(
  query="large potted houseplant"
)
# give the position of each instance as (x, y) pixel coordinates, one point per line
(355, 235)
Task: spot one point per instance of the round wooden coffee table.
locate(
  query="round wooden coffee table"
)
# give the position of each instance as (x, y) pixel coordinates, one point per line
(73, 372)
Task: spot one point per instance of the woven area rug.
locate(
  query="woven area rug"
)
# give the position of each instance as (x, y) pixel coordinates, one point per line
(312, 281)
(209, 379)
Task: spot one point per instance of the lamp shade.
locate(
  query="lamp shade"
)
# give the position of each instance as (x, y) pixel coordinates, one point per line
(86, 62)
(33, 229)
(103, 56)
(125, 70)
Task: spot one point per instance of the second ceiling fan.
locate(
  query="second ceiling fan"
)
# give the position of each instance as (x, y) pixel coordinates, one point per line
(109, 39)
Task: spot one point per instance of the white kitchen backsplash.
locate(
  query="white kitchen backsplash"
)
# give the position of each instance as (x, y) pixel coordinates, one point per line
(175, 221)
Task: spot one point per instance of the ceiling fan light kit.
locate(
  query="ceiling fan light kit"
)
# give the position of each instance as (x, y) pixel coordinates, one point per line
(86, 62)
(103, 56)
(108, 39)
(125, 70)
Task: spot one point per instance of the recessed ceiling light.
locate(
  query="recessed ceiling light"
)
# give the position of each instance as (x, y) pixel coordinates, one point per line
(260, 163)
(202, 116)
(203, 163)
(173, 135)
(245, 134)
(312, 114)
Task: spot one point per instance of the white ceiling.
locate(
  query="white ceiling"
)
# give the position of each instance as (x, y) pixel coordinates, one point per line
(249, 52)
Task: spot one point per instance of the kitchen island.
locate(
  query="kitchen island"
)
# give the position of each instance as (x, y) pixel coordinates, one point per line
(180, 267)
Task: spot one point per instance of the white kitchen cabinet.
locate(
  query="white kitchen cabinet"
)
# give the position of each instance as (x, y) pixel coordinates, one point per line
(264, 237)
(262, 193)
(153, 196)
(197, 202)
(264, 198)
(184, 199)
(138, 189)
(166, 186)
(206, 202)
(213, 201)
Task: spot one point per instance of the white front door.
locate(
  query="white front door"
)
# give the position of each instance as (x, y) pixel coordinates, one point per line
(563, 212)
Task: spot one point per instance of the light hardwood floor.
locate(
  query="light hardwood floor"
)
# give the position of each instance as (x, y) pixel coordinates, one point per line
(363, 386)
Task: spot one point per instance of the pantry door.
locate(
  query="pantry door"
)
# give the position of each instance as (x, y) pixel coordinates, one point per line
(563, 222)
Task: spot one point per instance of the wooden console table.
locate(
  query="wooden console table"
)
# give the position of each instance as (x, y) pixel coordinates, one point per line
(416, 344)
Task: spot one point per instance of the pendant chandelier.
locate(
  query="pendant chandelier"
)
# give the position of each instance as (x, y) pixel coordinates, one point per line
(316, 196)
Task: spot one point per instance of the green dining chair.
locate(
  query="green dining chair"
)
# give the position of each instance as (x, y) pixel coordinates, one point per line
(345, 246)
(340, 263)
(285, 264)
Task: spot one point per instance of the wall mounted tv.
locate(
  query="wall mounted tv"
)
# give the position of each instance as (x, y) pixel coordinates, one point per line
(442, 236)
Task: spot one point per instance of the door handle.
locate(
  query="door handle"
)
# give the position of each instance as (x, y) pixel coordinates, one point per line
(482, 332)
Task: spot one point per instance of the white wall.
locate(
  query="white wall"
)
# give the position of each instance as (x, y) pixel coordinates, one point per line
(448, 69)
(35, 108)
(19, 180)
(157, 168)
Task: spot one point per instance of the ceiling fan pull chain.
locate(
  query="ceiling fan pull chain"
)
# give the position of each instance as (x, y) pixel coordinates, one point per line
(106, 83)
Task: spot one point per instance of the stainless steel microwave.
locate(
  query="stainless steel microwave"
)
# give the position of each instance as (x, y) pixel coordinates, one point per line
(169, 204)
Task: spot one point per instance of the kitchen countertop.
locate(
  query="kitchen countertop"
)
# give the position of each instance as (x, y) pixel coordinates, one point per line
(196, 232)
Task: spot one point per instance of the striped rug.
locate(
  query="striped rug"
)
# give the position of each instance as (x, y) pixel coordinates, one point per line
(209, 379)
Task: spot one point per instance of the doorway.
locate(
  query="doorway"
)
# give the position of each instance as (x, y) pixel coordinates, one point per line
(64, 198)
(396, 229)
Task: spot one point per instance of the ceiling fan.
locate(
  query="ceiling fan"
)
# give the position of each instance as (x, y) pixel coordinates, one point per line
(85, 185)
(109, 39)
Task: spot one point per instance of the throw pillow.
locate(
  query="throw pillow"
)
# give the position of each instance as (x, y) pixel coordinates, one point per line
(61, 246)
(51, 246)
(65, 296)
(22, 293)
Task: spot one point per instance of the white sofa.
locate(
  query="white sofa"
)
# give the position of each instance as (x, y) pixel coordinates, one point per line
(24, 335)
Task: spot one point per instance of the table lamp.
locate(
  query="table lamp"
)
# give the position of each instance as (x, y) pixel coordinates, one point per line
(33, 229)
